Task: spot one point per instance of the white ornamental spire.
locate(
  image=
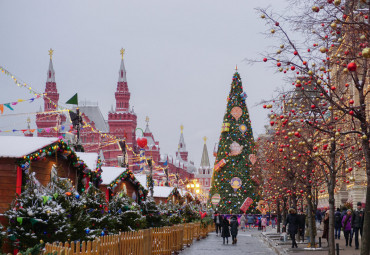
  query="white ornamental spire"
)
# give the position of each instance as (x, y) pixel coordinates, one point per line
(122, 69)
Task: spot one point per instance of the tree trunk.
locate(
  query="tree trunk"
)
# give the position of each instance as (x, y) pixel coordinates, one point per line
(331, 216)
(278, 215)
(311, 221)
(331, 187)
(365, 244)
(293, 199)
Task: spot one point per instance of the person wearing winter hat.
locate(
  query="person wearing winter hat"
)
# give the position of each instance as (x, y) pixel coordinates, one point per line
(357, 223)
(346, 224)
(292, 220)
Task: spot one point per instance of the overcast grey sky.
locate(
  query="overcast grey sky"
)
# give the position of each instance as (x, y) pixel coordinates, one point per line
(180, 58)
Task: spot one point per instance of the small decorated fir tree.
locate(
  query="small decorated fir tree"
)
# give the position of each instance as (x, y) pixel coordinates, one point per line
(62, 191)
(96, 209)
(125, 213)
(231, 180)
(154, 217)
(35, 216)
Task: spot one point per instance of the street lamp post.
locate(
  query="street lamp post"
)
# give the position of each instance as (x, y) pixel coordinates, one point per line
(151, 182)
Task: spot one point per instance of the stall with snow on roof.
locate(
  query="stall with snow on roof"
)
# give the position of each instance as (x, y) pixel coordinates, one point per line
(93, 162)
(45, 157)
(120, 179)
(160, 193)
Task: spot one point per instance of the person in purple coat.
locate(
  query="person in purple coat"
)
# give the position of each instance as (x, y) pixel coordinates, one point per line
(346, 224)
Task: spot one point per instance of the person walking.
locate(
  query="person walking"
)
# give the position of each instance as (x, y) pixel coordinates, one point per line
(346, 224)
(259, 222)
(225, 234)
(357, 223)
(234, 228)
(263, 223)
(218, 222)
(250, 221)
(325, 233)
(292, 220)
(242, 222)
(337, 223)
(318, 217)
(301, 226)
(273, 222)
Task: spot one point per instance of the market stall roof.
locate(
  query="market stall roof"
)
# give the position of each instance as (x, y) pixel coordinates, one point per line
(19, 146)
(90, 159)
(159, 191)
(109, 174)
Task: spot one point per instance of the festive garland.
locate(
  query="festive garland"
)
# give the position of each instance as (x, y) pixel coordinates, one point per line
(175, 194)
(63, 150)
(10, 105)
(129, 176)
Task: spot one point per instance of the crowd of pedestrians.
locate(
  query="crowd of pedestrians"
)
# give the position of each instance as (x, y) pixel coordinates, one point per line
(346, 220)
(296, 225)
(226, 227)
(229, 227)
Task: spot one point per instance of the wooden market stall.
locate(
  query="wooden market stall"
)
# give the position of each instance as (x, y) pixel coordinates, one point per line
(45, 157)
(120, 179)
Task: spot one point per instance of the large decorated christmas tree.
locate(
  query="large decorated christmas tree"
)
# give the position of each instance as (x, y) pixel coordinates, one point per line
(232, 185)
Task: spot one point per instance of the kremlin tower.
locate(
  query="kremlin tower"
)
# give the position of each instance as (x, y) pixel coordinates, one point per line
(204, 172)
(50, 121)
(122, 121)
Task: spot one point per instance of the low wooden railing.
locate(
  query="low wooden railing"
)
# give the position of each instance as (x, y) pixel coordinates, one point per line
(154, 241)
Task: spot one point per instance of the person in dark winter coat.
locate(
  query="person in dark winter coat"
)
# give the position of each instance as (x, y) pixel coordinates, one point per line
(346, 224)
(337, 223)
(357, 223)
(301, 226)
(292, 220)
(234, 228)
(325, 233)
(225, 234)
(218, 222)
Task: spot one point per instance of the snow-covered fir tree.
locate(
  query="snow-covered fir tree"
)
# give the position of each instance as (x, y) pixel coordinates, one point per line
(125, 213)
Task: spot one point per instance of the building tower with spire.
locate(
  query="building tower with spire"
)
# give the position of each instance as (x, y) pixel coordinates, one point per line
(204, 172)
(181, 150)
(152, 149)
(48, 123)
(122, 120)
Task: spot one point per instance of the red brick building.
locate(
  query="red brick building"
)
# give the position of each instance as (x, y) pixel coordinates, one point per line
(101, 135)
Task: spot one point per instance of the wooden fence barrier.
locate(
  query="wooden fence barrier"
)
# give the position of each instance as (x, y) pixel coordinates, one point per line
(154, 241)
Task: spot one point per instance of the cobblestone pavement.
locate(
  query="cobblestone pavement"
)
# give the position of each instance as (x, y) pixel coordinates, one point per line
(248, 243)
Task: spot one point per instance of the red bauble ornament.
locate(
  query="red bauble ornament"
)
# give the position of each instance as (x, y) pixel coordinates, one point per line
(351, 101)
(292, 68)
(352, 66)
(142, 142)
(265, 59)
(278, 64)
(351, 112)
(295, 53)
